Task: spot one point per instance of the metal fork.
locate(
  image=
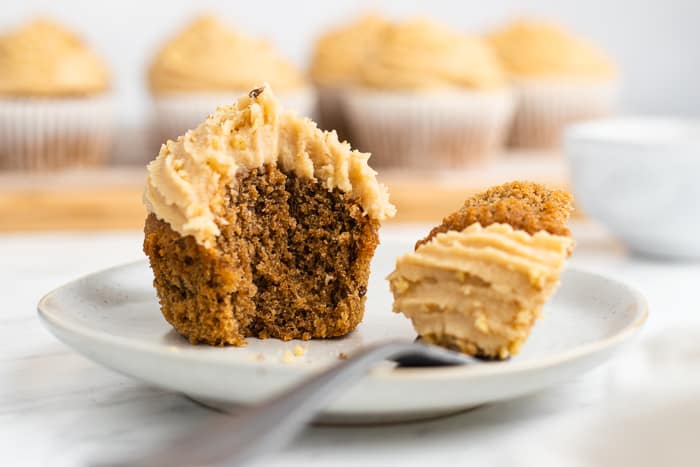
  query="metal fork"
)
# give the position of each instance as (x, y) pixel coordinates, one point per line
(268, 426)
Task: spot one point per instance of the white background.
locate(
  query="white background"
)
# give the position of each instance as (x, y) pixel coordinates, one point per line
(654, 41)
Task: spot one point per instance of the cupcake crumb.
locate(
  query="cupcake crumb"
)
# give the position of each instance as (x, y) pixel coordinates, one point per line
(342, 356)
(299, 351)
(256, 92)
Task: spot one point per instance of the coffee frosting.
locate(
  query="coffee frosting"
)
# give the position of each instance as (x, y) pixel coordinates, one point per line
(42, 58)
(208, 55)
(422, 54)
(339, 54)
(188, 180)
(543, 49)
(483, 285)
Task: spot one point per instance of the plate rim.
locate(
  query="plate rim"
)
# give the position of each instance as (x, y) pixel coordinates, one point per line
(51, 320)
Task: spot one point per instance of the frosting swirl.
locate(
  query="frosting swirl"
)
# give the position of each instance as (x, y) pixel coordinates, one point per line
(422, 54)
(543, 49)
(208, 55)
(482, 285)
(188, 180)
(338, 54)
(42, 58)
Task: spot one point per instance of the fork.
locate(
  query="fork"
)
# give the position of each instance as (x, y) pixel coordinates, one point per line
(271, 424)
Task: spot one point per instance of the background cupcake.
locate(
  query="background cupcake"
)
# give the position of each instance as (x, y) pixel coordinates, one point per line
(429, 97)
(54, 108)
(335, 65)
(558, 79)
(209, 64)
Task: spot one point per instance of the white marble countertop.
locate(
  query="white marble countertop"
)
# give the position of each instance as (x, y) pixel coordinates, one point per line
(59, 409)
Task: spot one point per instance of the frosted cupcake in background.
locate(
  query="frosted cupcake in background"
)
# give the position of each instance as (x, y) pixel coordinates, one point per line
(429, 97)
(558, 78)
(335, 65)
(209, 64)
(55, 111)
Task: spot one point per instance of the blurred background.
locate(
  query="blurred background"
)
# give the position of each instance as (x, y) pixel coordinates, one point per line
(651, 42)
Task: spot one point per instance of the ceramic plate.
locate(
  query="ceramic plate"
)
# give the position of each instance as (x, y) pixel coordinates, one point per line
(112, 317)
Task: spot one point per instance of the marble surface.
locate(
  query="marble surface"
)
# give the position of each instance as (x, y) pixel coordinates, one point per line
(642, 408)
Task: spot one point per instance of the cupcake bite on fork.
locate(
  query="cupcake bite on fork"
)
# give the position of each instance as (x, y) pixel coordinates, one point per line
(478, 281)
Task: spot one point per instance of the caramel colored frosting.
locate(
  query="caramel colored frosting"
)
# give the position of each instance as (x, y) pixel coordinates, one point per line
(42, 58)
(208, 55)
(481, 288)
(188, 180)
(338, 54)
(422, 54)
(543, 49)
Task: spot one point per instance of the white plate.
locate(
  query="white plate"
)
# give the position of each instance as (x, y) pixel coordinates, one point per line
(112, 317)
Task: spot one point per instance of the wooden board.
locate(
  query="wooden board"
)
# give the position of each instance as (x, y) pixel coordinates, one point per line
(110, 198)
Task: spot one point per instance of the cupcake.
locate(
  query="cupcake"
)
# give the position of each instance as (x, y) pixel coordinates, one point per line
(558, 79)
(54, 108)
(249, 236)
(336, 60)
(209, 64)
(429, 97)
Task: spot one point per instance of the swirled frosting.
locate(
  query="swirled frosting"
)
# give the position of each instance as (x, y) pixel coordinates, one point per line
(42, 58)
(188, 180)
(339, 54)
(208, 55)
(482, 287)
(422, 54)
(543, 49)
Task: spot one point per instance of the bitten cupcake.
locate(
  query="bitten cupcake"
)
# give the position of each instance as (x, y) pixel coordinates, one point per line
(558, 78)
(429, 97)
(54, 108)
(207, 65)
(335, 65)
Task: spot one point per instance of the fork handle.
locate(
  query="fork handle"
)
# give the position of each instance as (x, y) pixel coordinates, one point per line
(265, 427)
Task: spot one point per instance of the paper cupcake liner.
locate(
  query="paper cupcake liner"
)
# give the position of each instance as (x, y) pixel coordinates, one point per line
(428, 131)
(544, 109)
(331, 111)
(38, 134)
(174, 114)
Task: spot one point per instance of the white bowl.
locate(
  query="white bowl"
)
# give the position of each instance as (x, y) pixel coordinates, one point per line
(640, 177)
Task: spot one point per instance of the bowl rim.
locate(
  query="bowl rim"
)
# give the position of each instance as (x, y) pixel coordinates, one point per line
(601, 131)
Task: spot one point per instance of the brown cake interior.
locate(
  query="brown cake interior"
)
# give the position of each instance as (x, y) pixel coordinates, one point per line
(292, 261)
(524, 206)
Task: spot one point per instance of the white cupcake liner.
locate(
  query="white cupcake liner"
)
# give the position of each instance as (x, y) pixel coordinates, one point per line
(428, 130)
(174, 114)
(38, 134)
(545, 108)
(331, 111)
